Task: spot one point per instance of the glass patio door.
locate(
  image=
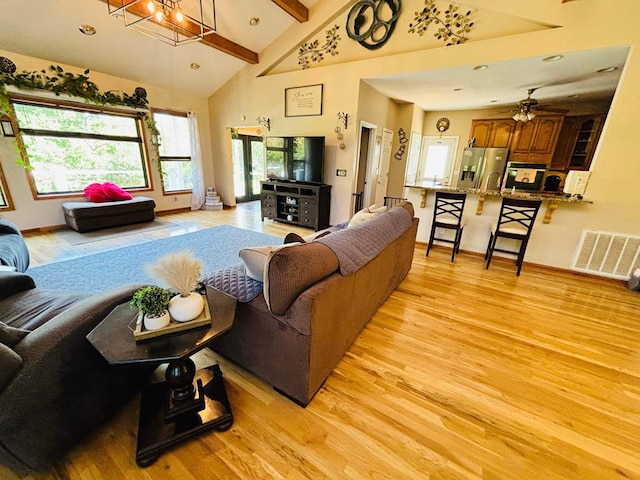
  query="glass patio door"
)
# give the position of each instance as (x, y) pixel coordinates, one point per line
(248, 166)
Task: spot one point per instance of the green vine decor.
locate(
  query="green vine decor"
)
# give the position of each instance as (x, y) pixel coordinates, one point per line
(61, 82)
(312, 51)
(452, 28)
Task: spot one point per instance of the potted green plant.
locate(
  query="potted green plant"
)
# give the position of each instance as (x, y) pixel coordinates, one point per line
(153, 302)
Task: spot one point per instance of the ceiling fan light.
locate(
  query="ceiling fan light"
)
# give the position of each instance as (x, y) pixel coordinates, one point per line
(531, 115)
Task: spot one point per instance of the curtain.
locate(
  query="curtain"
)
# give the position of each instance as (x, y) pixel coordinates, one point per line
(197, 195)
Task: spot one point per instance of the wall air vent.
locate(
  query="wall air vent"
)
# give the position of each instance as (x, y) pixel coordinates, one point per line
(608, 254)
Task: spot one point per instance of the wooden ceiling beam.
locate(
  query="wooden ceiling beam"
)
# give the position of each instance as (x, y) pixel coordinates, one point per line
(294, 8)
(211, 38)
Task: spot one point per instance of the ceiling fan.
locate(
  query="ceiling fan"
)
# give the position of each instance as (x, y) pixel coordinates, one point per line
(526, 109)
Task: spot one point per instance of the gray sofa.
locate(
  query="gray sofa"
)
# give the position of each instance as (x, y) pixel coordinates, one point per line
(55, 388)
(317, 297)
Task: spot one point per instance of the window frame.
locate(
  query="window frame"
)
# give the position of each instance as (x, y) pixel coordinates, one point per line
(141, 139)
(175, 158)
(5, 193)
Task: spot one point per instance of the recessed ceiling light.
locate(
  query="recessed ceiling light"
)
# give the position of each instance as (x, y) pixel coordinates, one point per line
(457, 89)
(254, 21)
(481, 67)
(87, 29)
(194, 66)
(575, 95)
(552, 58)
(607, 70)
(494, 101)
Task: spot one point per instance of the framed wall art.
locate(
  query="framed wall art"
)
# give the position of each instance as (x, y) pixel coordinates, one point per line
(303, 101)
(6, 128)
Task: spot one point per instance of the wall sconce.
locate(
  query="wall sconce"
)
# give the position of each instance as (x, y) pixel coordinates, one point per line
(342, 119)
(264, 122)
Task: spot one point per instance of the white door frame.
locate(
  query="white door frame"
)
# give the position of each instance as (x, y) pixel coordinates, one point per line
(370, 175)
(384, 164)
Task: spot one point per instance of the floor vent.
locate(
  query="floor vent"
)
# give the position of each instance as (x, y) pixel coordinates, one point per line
(608, 254)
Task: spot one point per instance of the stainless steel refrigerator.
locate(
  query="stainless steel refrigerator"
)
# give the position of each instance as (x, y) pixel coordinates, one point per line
(482, 168)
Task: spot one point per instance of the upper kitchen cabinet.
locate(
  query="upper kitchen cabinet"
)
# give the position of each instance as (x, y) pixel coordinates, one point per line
(535, 141)
(492, 133)
(576, 145)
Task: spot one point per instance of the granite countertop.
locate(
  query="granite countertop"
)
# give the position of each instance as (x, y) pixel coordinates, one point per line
(552, 197)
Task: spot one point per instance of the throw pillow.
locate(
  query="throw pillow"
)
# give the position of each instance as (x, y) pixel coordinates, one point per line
(255, 258)
(362, 216)
(114, 192)
(9, 336)
(95, 193)
(293, 237)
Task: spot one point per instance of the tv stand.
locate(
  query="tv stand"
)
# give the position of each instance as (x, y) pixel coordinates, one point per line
(306, 205)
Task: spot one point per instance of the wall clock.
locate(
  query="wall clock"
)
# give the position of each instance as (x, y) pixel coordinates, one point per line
(442, 124)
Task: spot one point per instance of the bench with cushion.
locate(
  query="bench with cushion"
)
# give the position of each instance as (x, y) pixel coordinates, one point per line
(86, 216)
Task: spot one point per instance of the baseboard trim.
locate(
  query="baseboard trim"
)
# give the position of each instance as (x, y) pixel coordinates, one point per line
(538, 265)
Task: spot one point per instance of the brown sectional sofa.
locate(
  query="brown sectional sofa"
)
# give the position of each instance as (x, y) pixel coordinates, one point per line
(311, 310)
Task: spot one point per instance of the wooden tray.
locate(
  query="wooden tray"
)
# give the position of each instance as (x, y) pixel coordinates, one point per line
(141, 333)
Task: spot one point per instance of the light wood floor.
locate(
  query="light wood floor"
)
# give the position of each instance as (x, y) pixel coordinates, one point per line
(462, 374)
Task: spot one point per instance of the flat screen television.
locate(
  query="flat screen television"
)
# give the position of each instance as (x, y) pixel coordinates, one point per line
(296, 159)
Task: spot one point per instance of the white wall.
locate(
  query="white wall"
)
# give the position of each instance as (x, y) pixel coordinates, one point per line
(588, 25)
(31, 214)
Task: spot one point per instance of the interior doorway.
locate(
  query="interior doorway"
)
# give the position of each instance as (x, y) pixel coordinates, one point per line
(368, 155)
(248, 157)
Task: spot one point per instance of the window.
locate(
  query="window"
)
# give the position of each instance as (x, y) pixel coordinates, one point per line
(437, 159)
(174, 151)
(70, 147)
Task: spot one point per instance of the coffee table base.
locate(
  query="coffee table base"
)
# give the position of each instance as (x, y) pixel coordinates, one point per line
(155, 436)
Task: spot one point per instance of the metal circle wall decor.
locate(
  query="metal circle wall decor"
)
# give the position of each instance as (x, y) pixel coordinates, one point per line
(442, 124)
(371, 22)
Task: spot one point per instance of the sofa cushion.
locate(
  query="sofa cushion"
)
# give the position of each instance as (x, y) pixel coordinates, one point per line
(356, 246)
(9, 336)
(14, 282)
(11, 363)
(32, 308)
(290, 271)
(13, 249)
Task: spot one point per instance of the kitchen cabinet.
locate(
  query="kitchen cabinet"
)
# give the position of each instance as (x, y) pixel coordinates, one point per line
(535, 141)
(492, 133)
(576, 145)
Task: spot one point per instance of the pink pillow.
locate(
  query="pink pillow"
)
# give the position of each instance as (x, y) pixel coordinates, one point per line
(114, 192)
(95, 193)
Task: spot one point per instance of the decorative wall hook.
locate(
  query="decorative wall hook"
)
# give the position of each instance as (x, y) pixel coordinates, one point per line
(264, 122)
(342, 119)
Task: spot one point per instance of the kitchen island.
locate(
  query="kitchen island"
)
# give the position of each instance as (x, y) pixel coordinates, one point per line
(552, 200)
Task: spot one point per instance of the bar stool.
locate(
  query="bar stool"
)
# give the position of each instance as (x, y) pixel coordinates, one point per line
(516, 222)
(391, 201)
(447, 213)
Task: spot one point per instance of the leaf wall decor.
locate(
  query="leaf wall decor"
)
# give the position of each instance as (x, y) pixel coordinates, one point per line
(453, 26)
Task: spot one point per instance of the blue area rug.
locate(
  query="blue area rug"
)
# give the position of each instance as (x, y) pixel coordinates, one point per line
(217, 247)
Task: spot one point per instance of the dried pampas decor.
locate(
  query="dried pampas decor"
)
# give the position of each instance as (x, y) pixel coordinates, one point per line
(180, 272)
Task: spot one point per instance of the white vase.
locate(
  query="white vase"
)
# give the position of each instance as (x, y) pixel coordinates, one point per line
(183, 309)
(154, 323)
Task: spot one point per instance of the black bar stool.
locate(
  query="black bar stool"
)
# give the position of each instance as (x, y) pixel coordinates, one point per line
(357, 202)
(391, 201)
(447, 213)
(515, 221)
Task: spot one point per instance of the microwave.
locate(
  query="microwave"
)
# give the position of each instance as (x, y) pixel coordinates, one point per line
(527, 177)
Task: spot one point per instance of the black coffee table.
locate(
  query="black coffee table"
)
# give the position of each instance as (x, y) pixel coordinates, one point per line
(187, 402)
